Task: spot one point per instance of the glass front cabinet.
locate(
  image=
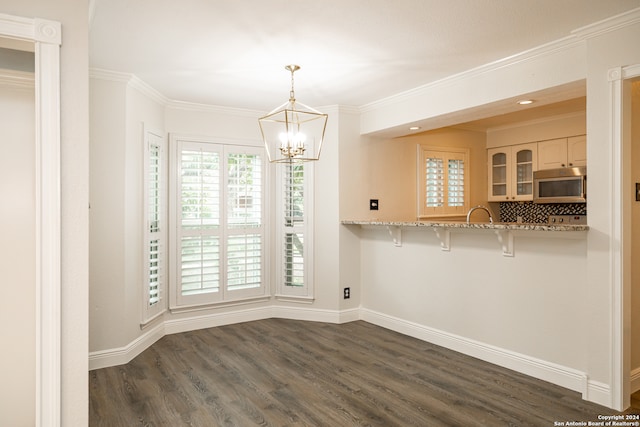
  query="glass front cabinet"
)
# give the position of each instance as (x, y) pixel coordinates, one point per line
(511, 172)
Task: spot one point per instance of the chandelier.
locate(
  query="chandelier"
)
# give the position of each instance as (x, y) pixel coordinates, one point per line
(293, 132)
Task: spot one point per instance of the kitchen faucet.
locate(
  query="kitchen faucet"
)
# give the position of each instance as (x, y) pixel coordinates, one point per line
(486, 209)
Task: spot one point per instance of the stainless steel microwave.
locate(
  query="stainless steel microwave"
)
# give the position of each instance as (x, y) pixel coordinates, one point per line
(564, 185)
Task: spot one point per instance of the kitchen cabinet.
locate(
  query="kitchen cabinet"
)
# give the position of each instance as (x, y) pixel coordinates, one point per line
(511, 172)
(562, 152)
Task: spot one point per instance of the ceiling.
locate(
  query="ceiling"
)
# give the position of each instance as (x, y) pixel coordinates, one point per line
(352, 52)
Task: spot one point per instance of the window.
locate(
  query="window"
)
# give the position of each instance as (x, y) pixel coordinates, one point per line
(155, 221)
(443, 181)
(218, 222)
(294, 225)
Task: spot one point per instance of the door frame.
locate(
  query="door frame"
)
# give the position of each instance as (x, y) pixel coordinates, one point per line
(620, 243)
(46, 37)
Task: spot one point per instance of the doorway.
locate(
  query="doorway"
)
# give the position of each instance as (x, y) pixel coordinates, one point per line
(43, 38)
(18, 258)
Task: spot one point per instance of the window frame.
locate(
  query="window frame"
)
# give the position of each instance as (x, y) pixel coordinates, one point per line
(150, 312)
(304, 293)
(446, 153)
(177, 301)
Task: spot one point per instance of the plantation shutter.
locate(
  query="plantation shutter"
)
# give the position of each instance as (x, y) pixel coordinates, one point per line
(434, 182)
(455, 182)
(155, 227)
(443, 182)
(199, 208)
(154, 207)
(220, 208)
(244, 221)
(294, 265)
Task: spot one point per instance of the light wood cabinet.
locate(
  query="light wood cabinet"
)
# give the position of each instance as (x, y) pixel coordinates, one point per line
(511, 172)
(562, 152)
(577, 151)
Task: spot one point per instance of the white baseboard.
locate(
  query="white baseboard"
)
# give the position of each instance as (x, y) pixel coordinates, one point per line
(561, 375)
(635, 380)
(211, 320)
(122, 355)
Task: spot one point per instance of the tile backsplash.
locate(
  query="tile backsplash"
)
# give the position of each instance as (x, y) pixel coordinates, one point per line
(538, 213)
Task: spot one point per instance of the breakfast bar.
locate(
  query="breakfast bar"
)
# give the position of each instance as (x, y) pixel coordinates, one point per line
(504, 231)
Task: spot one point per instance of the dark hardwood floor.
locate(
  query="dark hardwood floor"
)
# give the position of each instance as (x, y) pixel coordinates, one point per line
(291, 373)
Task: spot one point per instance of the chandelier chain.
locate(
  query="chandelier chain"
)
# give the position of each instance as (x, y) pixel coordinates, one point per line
(292, 95)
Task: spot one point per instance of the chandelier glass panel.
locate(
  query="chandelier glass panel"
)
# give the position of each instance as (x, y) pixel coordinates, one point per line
(293, 132)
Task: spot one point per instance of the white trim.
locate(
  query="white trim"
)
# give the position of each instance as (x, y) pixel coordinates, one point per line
(215, 109)
(635, 380)
(609, 24)
(305, 292)
(18, 79)
(619, 398)
(620, 379)
(560, 45)
(148, 314)
(112, 76)
(132, 81)
(47, 55)
(47, 36)
(218, 305)
(314, 314)
(122, 355)
(563, 376)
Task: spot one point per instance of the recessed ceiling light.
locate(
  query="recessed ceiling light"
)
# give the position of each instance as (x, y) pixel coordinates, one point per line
(525, 101)
(414, 128)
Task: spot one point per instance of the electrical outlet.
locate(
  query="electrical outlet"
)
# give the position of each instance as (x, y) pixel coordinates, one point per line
(347, 293)
(373, 204)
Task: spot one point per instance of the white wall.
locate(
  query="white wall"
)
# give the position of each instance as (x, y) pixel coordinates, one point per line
(74, 67)
(107, 213)
(351, 201)
(17, 254)
(528, 304)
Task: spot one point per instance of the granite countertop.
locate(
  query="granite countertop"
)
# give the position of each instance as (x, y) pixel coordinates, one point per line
(477, 225)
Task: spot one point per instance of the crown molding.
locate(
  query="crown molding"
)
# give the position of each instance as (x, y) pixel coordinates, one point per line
(132, 81)
(144, 88)
(608, 25)
(560, 45)
(216, 109)
(576, 38)
(114, 76)
(15, 78)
